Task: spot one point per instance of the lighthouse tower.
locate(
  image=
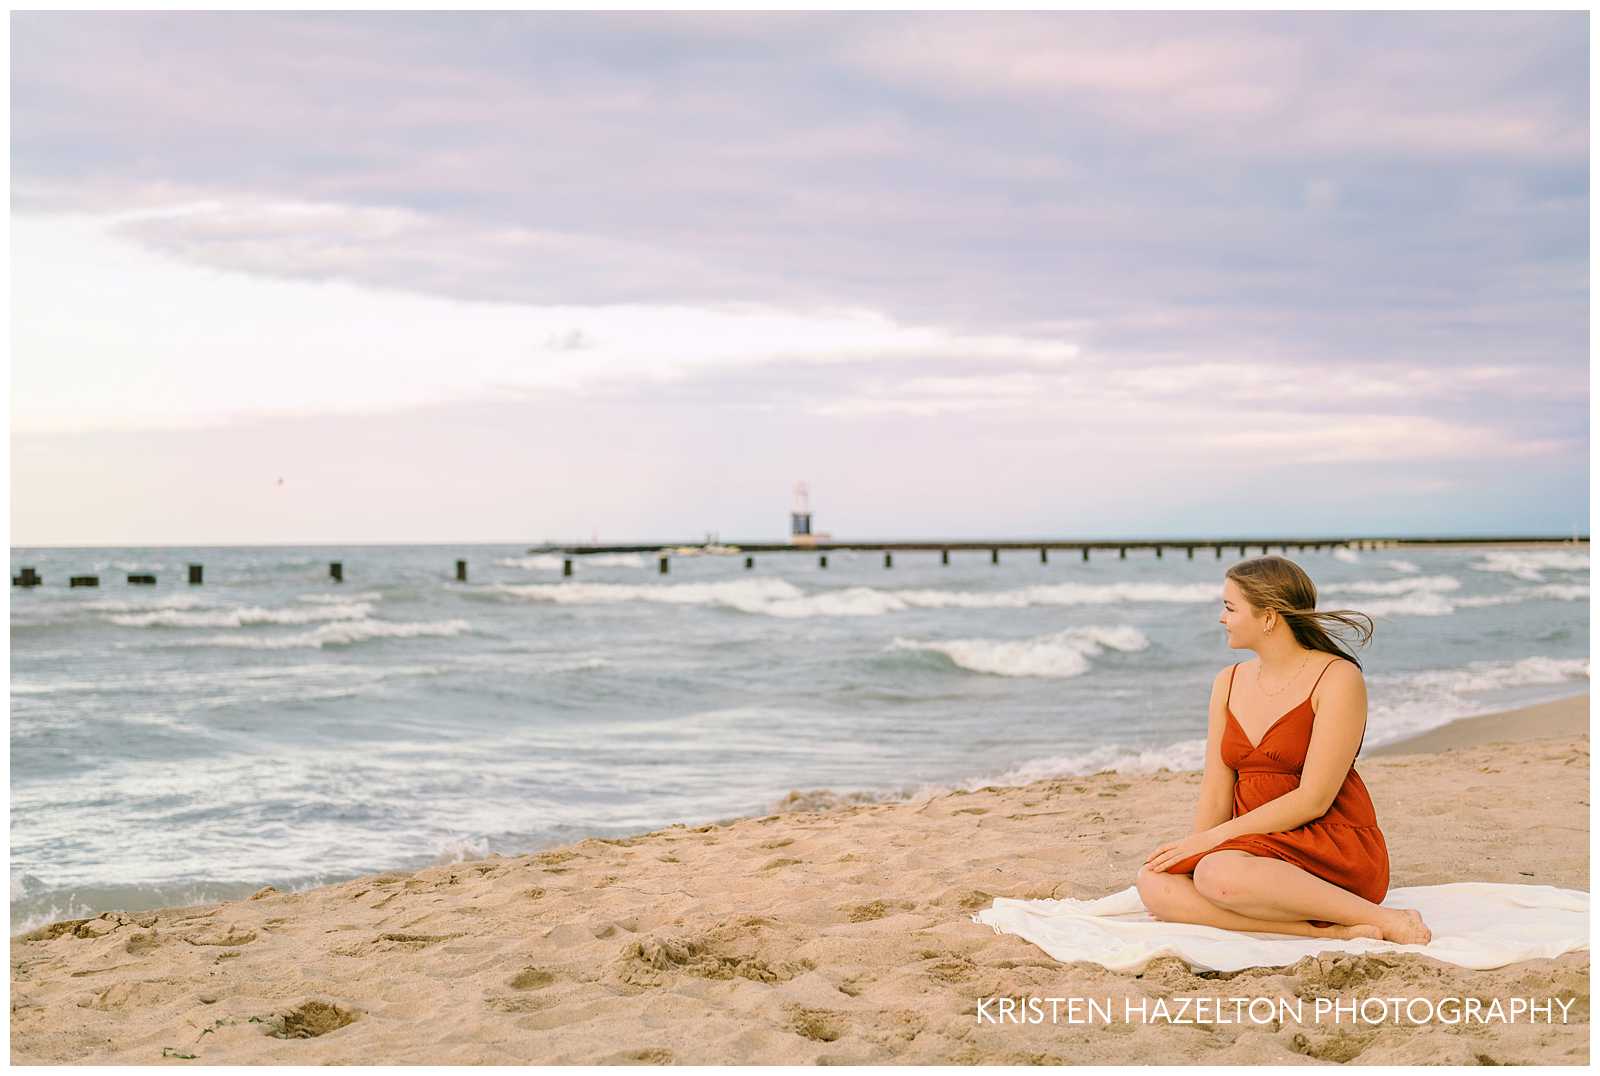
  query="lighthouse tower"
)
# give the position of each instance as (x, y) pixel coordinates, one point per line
(800, 532)
(800, 516)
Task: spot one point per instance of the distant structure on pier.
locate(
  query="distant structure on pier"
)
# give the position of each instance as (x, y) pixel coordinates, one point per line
(800, 532)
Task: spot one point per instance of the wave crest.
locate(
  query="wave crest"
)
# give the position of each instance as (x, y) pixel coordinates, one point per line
(1059, 655)
(340, 633)
(242, 617)
(1530, 565)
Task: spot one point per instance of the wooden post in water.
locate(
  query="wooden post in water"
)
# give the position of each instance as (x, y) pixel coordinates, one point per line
(822, 561)
(944, 556)
(195, 572)
(461, 571)
(663, 569)
(888, 560)
(566, 566)
(28, 578)
(1044, 555)
(1122, 553)
(336, 571)
(1191, 552)
(84, 581)
(1086, 553)
(749, 562)
(142, 580)
(994, 556)
(1158, 552)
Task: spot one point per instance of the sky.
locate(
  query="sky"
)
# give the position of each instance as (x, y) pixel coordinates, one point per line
(363, 277)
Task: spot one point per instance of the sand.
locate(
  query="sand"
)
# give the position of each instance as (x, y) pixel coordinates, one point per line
(810, 937)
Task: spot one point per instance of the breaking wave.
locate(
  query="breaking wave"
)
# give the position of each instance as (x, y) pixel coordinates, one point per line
(1060, 654)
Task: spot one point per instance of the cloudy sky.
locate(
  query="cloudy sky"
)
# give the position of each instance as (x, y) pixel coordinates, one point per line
(514, 277)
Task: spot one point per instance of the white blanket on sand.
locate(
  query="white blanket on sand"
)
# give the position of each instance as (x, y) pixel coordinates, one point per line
(1474, 924)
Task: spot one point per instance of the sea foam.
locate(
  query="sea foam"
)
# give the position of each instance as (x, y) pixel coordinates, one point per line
(242, 617)
(1530, 565)
(550, 562)
(1061, 654)
(339, 633)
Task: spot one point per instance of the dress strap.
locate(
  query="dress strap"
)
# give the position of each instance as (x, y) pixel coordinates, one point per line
(1318, 680)
(1229, 700)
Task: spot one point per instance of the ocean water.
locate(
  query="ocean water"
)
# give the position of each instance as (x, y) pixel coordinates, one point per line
(175, 744)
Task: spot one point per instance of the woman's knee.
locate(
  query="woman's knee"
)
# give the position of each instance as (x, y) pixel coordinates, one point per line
(1153, 888)
(1216, 878)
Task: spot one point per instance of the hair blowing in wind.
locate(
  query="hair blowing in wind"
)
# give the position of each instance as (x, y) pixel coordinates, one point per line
(1279, 584)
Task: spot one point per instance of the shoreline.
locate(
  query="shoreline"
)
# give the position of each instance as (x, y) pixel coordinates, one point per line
(1566, 716)
(808, 936)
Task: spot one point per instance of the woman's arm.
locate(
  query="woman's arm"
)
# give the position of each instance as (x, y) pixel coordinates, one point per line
(1216, 786)
(1341, 717)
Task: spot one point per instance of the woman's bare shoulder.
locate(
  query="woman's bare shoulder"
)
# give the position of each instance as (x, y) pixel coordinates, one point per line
(1342, 668)
(1341, 675)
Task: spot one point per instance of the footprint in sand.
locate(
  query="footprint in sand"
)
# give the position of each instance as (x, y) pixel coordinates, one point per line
(853, 986)
(519, 1003)
(393, 942)
(119, 997)
(144, 941)
(972, 900)
(531, 978)
(646, 1055)
(877, 909)
(232, 936)
(953, 968)
(818, 1025)
(865, 913)
(1338, 1046)
(309, 1020)
(651, 961)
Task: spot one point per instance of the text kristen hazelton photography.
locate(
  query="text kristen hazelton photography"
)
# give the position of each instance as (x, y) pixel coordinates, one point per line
(1215, 1011)
(799, 538)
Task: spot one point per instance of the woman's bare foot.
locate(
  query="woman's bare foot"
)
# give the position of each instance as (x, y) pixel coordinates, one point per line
(1359, 930)
(1405, 925)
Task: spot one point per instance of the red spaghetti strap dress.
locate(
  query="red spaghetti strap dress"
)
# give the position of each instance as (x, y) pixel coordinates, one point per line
(1344, 846)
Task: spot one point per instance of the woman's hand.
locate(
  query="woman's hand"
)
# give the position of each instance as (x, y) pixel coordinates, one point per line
(1179, 850)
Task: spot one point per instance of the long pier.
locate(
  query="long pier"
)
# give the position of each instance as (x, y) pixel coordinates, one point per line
(970, 544)
(665, 552)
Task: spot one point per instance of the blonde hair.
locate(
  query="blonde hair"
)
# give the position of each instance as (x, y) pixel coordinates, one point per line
(1282, 586)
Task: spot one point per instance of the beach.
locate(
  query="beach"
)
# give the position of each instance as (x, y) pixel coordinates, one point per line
(828, 933)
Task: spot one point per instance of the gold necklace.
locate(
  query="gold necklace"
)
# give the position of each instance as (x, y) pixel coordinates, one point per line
(1286, 683)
